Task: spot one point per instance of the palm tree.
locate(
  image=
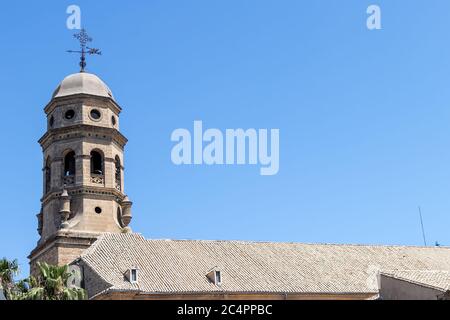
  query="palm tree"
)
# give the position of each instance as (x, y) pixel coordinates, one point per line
(8, 270)
(50, 284)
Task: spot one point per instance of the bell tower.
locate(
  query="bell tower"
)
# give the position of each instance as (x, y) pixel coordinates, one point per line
(83, 172)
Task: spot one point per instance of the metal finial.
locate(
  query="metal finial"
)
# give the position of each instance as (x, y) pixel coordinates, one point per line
(84, 38)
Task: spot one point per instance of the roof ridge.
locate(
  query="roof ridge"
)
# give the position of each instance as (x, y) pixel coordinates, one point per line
(139, 235)
(301, 243)
(414, 270)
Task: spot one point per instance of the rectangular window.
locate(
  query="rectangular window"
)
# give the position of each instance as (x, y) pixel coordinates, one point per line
(218, 278)
(133, 276)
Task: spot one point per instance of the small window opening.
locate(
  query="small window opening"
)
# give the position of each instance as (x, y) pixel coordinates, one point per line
(118, 174)
(132, 275)
(98, 210)
(218, 277)
(69, 115)
(95, 114)
(69, 164)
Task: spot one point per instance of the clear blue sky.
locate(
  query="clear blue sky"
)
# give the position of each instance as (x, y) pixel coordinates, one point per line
(363, 115)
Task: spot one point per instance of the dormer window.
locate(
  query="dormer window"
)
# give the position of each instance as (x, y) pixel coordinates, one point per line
(132, 275)
(215, 276)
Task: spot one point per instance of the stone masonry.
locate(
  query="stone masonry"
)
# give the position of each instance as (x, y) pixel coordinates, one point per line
(83, 180)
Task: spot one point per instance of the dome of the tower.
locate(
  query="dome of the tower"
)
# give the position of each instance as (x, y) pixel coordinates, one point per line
(82, 83)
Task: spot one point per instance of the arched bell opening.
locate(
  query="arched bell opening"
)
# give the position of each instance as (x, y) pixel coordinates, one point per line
(69, 168)
(97, 167)
(118, 173)
(48, 175)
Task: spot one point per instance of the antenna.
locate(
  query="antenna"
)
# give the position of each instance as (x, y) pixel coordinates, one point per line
(423, 229)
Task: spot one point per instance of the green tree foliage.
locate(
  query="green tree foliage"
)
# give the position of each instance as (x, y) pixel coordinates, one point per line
(50, 283)
(8, 270)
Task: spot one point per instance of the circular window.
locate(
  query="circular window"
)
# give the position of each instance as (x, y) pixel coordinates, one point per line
(52, 121)
(69, 115)
(113, 120)
(98, 210)
(95, 114)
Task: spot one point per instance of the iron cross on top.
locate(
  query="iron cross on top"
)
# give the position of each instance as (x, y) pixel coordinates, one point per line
(84, 38)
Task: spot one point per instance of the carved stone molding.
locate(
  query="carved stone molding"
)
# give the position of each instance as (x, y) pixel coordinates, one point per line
(98, 179)
(100, 192)
(69, 180)
(82, 131)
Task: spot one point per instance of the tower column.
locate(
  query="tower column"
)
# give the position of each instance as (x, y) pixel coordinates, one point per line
(86, 169)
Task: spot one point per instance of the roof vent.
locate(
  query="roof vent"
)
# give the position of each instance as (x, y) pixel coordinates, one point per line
(132, 275)
(215, 276)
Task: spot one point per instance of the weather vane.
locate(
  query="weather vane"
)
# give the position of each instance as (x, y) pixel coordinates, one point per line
(84, 38)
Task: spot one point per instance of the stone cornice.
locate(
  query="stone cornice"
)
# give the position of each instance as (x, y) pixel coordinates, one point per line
(101, 192)
(87, 98)
(88, 157)
(81, 131)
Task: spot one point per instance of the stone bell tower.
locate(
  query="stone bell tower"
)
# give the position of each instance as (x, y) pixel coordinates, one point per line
(83, 173)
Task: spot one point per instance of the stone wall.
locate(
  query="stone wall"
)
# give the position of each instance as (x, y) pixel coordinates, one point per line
(61, 250)
(396, 289)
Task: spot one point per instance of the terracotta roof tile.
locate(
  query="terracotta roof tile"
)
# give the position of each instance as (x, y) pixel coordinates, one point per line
(180, 266)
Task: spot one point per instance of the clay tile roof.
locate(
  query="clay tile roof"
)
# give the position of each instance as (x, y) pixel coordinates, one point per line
(180, 266)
